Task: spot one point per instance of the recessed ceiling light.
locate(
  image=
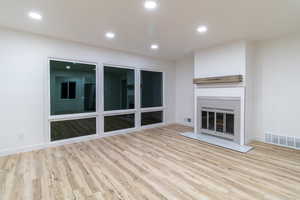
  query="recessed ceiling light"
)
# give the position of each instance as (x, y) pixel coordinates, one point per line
(35, 15)
(110, 35)
(150, 4)
(154, 46)
(202, 29)
(68, 67)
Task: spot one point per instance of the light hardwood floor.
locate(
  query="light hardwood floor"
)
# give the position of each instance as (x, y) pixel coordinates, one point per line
(151, 164)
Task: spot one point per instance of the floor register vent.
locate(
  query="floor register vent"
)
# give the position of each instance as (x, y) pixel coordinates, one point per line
(287, 141)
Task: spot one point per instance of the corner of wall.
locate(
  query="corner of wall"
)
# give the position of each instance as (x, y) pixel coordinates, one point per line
(184, 90)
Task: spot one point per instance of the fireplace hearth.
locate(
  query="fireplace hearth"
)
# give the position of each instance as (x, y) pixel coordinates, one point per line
(218, 122)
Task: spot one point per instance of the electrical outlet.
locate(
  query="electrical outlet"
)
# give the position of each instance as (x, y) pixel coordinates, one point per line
(189, 120)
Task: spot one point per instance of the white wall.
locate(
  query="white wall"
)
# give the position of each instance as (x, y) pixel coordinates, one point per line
(272, 69)
(228, 59)
(250, 93)
(185, 90)
(277, 87)
(23, 82)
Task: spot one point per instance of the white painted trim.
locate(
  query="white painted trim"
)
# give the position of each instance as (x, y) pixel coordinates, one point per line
(153, 125)
(138, 99)
(101, 100)
(119, 112)
(70, 116)
(29, 148)
(75, 139)
(73, 60)
(186, 124)
(118, 66)
(153, 109)
(152, 69)
(73, 116)
(122, 131)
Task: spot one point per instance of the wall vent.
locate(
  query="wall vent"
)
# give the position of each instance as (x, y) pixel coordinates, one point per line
(286, 141)
(282, 140)
(268, 138)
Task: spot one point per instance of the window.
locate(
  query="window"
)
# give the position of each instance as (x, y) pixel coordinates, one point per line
(68, 90)
(204, 119)
(119, 96)
(119, 85)
(72, 87)
(149, 118)
(118, 122)
(73, 99)
(151, 97)
(72, 91)
(72, 128)
(151, 89)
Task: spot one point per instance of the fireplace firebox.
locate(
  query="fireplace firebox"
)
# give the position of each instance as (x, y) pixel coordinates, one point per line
(219, 116)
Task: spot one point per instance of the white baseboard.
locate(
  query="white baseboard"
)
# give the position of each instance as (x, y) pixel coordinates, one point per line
(11, 151)
(186, 124)
(28, 148)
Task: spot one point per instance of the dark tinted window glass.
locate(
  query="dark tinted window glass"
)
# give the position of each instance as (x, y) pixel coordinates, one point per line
(204, 119)
(220, 122)
(151, 89)
(118, 88)
(230, 123)
(118, 122)
(152, 118)
(211, 121)
(72, 128)
(64, 90)
(72, 87)
(72, 90)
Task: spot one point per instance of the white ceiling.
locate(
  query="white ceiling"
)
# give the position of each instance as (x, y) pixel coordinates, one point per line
(173, 25)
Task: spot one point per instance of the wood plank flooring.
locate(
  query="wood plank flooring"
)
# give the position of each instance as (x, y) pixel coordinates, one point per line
(151, 164)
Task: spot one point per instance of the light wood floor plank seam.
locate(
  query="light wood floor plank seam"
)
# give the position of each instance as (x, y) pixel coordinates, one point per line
(152, 164)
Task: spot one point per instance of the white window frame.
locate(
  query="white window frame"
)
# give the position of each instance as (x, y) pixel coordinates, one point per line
(100, 113)
(67, 117)
(119, 112)
(153, 109)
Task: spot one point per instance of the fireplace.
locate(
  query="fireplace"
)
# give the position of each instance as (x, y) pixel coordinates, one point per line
(220, 117)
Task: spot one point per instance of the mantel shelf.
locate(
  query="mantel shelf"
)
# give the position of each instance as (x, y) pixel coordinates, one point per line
(219, 79)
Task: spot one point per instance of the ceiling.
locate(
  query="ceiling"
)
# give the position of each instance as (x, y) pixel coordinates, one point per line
(173, 25)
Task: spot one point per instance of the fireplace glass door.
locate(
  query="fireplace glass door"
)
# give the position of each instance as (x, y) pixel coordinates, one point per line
(219, 122)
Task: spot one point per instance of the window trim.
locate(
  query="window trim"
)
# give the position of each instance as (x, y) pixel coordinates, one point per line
(163, 88)
(72, 116)
(66, 117)
(155, 124)
(153, 109)
(121, 130)
(100, 113)
(102, 82)
(118, 112)
(70, 119)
